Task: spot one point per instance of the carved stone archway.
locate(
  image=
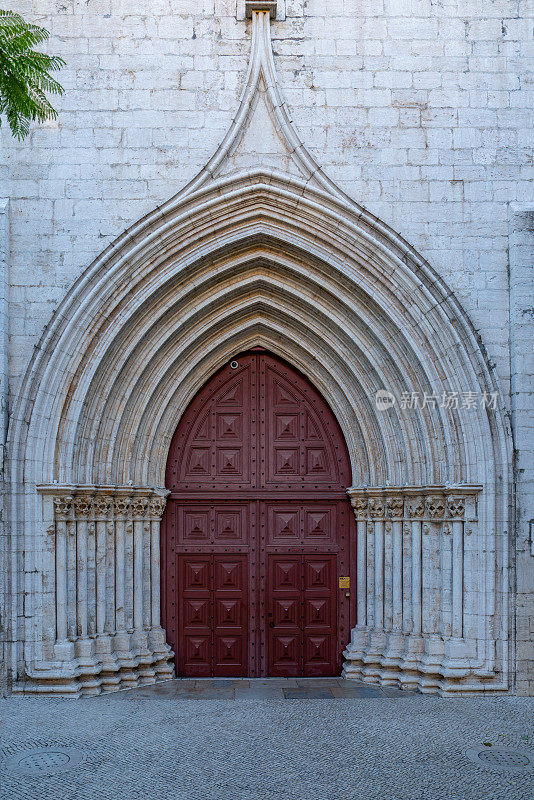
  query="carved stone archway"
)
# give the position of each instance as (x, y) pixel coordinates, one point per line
(283, 259)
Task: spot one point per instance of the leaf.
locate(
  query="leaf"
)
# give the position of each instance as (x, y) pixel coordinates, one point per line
(25, 74)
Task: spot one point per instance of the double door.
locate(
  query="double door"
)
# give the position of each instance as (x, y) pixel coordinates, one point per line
(258, 528)
(262, 598)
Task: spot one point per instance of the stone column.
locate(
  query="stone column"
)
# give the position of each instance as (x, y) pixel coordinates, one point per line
(414, 641)
(395, 644)
(140, 632)
(162, 652)
(122, 508)
(360, 634)
(478, 594)
(377, 513)
(375, 581)
(62, 511)
(122, 645)
(432, 567)
(84, 644)
(360, 509)
(455, 510)
(110, 680)
(156, 508)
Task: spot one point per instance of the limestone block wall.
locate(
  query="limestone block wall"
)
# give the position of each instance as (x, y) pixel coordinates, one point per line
(4, 328)
(522, 362)
(418, 110)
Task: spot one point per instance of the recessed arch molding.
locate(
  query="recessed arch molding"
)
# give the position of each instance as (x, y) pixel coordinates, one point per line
(259, 258)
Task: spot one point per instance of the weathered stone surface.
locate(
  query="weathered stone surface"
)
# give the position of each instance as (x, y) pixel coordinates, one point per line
(417, 112)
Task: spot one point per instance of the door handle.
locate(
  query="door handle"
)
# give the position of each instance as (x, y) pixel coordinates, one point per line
(271, 624)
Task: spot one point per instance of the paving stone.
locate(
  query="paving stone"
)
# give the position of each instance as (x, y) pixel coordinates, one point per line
(259, 693)
(361, 692)
(308, 694)
(165, 748)
(224, 682)
(209, 693)
(321, 682)
(273, 682)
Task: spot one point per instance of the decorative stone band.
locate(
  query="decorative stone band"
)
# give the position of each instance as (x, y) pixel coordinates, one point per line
(101, 573)
(419, 573)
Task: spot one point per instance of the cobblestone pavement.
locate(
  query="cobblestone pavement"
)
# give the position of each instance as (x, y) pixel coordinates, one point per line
(269, 740)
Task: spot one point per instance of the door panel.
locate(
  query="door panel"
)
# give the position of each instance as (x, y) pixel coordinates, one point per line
(214, 615)
(257, 527)
(284, 641)
(230, 626)
(194, 611)
(319, 595)
(302, 616)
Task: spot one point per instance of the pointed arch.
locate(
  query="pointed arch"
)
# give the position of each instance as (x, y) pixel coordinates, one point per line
(268, 260)
(285, 260)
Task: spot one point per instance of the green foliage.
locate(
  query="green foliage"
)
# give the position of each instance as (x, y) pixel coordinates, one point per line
(24, 74)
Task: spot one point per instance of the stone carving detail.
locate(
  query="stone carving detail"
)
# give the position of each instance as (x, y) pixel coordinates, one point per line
(455, 506)
(395, 506)
(82, 506)
(157, 507)
(94, 529)
(139, 506)
(122, 506)
(435, 506)
(416, 596)
(376, 508)
(360, 506)
(62, 506)
(416, 508)
(102, 505)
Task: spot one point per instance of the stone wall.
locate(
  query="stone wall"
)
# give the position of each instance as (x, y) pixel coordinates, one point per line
(416, 109)
(522, 362)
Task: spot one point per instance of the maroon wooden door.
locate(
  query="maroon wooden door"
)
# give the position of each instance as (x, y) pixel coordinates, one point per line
(303, 614)
(258, 528)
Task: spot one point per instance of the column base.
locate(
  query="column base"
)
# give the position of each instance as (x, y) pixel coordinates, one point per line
(418, 663)
(102, 664)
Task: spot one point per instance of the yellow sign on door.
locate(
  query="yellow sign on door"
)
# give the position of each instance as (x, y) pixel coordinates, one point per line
(344, 583)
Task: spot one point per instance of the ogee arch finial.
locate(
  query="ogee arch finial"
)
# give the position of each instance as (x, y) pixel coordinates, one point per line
(263, 119)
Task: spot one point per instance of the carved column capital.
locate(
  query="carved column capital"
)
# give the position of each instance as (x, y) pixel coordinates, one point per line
(102, 505)
(82, 506)
(395, 506)
(156, 507)
(139, 506)
(435, 506)
(455, 506)
(376, 507)
(122, 506)
(62, 506)
(416, 507)
(359, 505)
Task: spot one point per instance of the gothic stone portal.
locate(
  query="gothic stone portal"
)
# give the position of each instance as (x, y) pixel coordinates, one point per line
(258, 528)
